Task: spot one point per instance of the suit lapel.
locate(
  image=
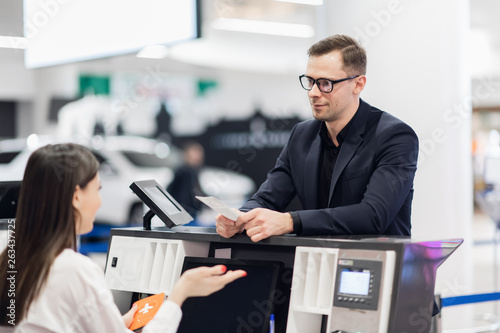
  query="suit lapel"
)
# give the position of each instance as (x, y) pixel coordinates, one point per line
(351, 144)
(311, 172)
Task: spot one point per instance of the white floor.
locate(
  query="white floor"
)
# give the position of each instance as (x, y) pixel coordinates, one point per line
(486, 314)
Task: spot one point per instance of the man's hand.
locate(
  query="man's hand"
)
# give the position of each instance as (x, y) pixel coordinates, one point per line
(227, 228)
(261, 223)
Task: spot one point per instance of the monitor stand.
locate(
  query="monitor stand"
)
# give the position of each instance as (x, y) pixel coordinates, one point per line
(146, 219)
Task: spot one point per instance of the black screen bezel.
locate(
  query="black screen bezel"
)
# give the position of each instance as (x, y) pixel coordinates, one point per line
(170, 220)
(193, 306)
(8, 205)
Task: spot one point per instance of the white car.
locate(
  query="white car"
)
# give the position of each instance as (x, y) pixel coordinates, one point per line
(124, 160)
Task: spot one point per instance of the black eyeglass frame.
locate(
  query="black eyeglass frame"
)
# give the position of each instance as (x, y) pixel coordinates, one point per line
(315, 82)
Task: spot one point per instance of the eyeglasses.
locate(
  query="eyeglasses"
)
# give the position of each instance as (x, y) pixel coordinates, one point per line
(324, 85)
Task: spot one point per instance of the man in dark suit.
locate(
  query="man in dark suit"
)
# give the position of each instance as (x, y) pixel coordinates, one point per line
(352, 166)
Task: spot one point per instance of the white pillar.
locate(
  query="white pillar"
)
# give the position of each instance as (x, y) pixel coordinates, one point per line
(57, 81)
(417, 70)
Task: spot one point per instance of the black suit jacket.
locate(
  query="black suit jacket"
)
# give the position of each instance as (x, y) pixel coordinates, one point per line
(372, 182)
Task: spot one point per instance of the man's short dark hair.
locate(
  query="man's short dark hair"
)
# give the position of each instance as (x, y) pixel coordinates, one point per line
(353, 54)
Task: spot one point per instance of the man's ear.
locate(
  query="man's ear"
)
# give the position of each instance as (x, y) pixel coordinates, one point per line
(76, 197)
(360, 84)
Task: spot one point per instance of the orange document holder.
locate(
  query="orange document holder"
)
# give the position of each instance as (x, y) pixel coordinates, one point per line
(146, 310)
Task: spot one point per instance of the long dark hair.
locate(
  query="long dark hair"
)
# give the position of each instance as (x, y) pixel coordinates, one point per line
(45, 220)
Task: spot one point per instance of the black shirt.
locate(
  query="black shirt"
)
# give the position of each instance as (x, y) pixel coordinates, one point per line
(329, 155)
(328, 159)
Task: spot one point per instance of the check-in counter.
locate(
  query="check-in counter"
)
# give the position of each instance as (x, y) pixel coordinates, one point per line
(326, 284)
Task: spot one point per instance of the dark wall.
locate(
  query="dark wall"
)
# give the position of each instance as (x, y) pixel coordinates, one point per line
(248, 146)
(8, 120)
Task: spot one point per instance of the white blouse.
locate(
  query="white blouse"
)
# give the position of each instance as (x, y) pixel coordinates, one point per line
(76, 299)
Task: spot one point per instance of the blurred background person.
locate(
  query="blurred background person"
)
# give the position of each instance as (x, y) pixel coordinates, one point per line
(185, 184)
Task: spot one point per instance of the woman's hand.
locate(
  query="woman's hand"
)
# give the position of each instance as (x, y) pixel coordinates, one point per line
(202, 281)
(129, 316)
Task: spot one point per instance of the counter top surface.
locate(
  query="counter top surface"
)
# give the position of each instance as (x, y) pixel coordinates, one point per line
(358, 241)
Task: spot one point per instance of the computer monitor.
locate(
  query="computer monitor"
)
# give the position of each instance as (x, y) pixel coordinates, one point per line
(244, 305)
(9, 196)
(161, 203)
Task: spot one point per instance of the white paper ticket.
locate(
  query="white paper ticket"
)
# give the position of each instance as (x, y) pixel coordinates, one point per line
(220, 207)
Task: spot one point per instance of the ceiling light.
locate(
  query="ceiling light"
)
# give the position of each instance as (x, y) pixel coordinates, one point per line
(153, 52)
(11, 42)
(305, 2)
(264, 27)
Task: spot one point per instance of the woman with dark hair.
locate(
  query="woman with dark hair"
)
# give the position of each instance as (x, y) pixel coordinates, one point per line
(56, 288)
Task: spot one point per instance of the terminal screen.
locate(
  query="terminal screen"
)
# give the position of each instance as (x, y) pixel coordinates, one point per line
(244, 305)
(354, 282)
(9, 196)
(161, 200)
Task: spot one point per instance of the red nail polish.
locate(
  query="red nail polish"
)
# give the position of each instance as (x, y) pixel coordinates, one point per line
(244, 274)
(223, 269)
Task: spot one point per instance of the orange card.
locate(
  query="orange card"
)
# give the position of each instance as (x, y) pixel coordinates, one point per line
(146, 310)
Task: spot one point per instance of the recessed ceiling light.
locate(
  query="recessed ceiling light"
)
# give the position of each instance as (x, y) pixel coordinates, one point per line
(305, 2)
(153, 52)
(264, 27)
